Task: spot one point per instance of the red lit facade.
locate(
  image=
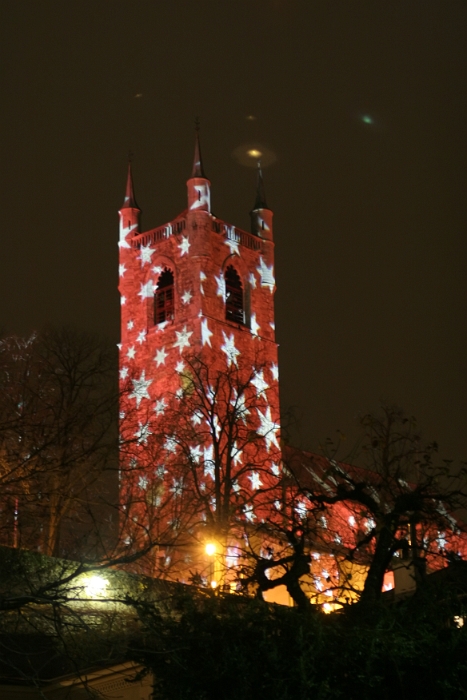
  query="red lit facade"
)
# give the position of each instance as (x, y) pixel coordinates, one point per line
(197, 290)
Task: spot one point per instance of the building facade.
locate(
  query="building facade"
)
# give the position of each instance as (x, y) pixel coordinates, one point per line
(198, 372)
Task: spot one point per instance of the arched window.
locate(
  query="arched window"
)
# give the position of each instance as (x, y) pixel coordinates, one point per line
(234, 310)
(164, 297)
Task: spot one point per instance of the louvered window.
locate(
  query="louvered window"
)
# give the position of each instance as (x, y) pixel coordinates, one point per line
(164, 297)
(234, 310)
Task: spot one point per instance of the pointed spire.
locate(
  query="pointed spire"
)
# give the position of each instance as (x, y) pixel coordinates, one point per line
(197, 161)
(129, 201)
(260, 202)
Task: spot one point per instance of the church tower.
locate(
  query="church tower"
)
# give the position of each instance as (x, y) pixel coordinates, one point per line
(197, 312)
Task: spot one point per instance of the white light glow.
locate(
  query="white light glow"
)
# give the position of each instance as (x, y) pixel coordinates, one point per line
(95, 586)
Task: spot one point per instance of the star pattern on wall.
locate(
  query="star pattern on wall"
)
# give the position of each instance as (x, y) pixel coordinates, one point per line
(230, 350)
(205, 333)
(225, 348)
(259, 383)
(145, 254)
(255, 481)
(184, 246)
(183, 339)
(254, 325)
(220, 281)
(268, 428)
(143, 433)
(160, 406)
(147, 290)
(266, 275)
(160, 357)
(140, 388)
(202, 278)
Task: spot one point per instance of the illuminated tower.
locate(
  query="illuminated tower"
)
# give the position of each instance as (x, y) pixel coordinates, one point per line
(197, 288)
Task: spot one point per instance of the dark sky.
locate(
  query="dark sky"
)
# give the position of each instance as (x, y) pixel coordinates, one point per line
(370, 218)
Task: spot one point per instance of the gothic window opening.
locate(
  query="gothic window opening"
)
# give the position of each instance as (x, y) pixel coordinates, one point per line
(164, 297)
(234, 310)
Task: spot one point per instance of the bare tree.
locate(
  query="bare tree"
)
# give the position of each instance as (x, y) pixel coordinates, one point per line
(58, 408)
(401, 501)
(207, 464)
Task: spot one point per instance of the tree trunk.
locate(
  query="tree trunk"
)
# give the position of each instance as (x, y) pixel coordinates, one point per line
(374, 581)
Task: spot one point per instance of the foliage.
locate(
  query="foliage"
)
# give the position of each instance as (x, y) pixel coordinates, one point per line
(228, 647)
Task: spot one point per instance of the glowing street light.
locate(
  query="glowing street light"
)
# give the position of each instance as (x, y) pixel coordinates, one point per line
(210, 549)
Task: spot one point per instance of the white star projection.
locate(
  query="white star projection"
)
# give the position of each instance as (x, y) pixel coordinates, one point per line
(170, 444)
(203, 199)
(161, 354)
(266, 274)
(177, 487)
(122, 301)
(259, 383)
(249, 513)
(230, 349)
(179, 367)
(197, 417)
(183, 339)
(239, 404)
(124, 232)
(159, 407)
(275, 372)
(268, 428)
(131, 353)
(143, 433)
(141, 337)
(157, 269)
(209, 461)
(121, 270)
(130, 325)
(275, 468)
(202, 278)
(186, 297)
(184, 246)
(205, 333)
(143, 483)
(252, 280)
(147, 290)
(195, 454)
(255, 480)
(140, 388)
(145, 254)
(254, 325)
(124, 373)
(236, 454)
(233, 244)
(220, 281)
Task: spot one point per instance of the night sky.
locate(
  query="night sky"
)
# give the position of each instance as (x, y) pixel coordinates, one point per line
(363, 107)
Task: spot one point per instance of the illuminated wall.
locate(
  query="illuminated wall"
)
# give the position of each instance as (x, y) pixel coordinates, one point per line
(217, 321)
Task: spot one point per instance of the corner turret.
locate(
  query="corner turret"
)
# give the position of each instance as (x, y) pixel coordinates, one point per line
(198, 186)
(129, 212)
(261, 215)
